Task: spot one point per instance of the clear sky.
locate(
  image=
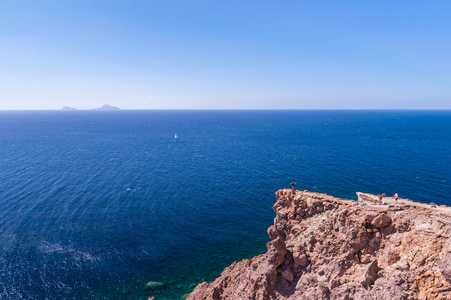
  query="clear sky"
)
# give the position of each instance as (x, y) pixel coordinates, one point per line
(225, 54)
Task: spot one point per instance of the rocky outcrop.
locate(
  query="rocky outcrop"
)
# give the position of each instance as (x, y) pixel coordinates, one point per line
(327, 248)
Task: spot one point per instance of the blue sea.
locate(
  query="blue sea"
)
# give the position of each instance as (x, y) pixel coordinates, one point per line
(93, 204)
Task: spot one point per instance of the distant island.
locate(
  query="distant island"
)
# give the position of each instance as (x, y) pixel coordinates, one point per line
(105, 107)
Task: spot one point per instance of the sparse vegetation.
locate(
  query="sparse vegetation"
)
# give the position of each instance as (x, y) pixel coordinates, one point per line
(245, 262)
(323, 286)
(311, 278)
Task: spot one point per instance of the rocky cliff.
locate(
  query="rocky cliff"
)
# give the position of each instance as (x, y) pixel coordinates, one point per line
(327, 248)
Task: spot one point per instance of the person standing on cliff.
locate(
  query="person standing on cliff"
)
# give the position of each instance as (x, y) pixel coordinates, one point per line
(292, 186)
(396, 197)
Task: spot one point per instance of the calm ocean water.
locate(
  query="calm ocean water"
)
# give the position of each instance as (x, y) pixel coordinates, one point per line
(93, 205)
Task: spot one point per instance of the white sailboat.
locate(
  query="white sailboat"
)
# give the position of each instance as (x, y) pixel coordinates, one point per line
(176, 137)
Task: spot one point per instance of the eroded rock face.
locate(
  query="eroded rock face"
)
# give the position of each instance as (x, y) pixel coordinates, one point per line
(386, 290)
(445, 265)
(327, 248)
(381, 221)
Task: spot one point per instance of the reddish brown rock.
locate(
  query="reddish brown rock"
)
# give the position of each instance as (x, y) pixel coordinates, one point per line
(445, 265)
(381, 221)
(340, 293)
(327, 248)
(370, 274)
(386, 290)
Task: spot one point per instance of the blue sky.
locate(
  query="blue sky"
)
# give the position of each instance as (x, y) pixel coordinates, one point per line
(225, 54)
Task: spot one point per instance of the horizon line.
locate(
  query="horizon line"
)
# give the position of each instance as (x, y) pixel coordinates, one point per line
(218, 109)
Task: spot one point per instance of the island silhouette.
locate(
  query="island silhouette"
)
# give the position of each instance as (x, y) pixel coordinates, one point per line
(104, 107)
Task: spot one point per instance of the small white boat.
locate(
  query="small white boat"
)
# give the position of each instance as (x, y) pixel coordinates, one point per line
(176, 137)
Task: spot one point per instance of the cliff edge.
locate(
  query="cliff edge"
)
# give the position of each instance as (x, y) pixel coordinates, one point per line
(328, 248)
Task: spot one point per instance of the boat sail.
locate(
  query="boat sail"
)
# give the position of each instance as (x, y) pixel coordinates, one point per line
(176, 137)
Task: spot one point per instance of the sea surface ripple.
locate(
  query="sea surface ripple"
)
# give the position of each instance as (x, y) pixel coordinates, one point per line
(93, 205)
